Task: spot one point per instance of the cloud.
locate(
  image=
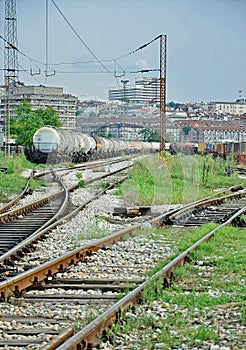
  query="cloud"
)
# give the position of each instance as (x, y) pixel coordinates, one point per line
(141, 63)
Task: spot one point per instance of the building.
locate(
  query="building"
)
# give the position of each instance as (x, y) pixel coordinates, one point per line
(213, 134)
(145, 90)
(235, 108)
(213, 131)
(41, 97)
(123, 131)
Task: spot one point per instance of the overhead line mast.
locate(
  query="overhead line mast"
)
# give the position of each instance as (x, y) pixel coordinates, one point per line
(10, 35)
(10, 62)
(163, 90)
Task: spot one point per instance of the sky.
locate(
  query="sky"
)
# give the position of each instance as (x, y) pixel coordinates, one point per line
(88, 46)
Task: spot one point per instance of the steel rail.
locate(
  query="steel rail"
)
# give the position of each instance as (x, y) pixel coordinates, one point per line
(5, 217)
(57, 221)
(59, 264)
(35, 176)
(85, 166)
(61, 210)
(55, 217)
(94, 179)
(88, 337)
(164, 218)
(16, 284)
(204, 203)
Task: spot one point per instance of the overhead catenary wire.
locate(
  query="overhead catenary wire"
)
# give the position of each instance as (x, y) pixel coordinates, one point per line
(23, 70)
(80, 39)
(100, 61)
(22, 53)
(97, 60)
(31, 61)
(139, 48)
(115, 74)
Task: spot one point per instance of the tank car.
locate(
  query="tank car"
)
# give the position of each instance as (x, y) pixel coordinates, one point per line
(55, 145)
(186, 148)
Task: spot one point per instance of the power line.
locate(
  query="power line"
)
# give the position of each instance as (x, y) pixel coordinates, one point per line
(145, 71)
(115, 74)
(22, 53)
(81, 40)
(139, 48)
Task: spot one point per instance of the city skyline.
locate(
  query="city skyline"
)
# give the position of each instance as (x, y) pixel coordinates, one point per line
(92, 42)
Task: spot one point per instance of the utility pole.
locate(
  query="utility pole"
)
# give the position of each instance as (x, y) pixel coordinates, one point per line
(10, 63)
(124, 82)
(163, 80)
(124, 107)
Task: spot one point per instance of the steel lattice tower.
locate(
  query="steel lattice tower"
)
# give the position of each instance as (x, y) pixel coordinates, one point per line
(163, 90)
(10, 49)
(10, 63)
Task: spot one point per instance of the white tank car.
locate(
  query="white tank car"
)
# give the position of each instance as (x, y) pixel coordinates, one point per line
(48, 139)
(103, 145)
(56, 144)
(155, 146)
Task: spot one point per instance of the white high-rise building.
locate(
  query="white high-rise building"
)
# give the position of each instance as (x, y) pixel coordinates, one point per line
(145, 90)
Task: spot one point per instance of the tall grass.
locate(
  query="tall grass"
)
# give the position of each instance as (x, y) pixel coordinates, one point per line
(175, 179)
(186, 311)
(12, 182)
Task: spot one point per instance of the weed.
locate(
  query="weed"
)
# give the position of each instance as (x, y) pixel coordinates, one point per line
(12, 182)
(220, 285)
(79, 176)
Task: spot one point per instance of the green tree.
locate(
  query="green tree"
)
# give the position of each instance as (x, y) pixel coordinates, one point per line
(105, 135)
(186, 129)
(173, 105)
(149, 135)
(28, 121)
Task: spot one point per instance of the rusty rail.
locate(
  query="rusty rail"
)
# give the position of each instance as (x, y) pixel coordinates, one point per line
(52, 224)
(16, 284)
(89, 336)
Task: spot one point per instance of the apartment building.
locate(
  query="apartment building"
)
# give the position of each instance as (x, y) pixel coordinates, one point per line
(41, 97)
(235, 108)
(145, 90)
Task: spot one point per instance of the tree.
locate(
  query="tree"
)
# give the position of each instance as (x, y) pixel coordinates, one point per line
(186, 129)
(149, 135)
(173, 105)
(105, 135)
(28, 121)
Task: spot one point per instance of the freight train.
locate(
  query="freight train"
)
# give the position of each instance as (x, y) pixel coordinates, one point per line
(236, 150)
(223, 149)
(54, 145)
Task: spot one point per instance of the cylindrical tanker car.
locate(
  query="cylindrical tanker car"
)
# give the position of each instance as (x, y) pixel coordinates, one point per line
(54, 145)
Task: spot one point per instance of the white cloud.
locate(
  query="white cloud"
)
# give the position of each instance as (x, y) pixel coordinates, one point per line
(142, 63)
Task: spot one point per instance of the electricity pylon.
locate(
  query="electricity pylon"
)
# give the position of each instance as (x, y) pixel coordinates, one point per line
(163, 90)
(10, 62)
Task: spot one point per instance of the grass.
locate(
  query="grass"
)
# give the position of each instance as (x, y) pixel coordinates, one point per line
(175, 179)
(12, 182)
(92, 231)
(187, 310)
(153, 180)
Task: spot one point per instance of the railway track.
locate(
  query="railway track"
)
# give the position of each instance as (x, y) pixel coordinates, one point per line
(18, 224)
(50, 282)
(43, 217)
(48, 175)
(89, 335)
(217, 210)
(70, 299)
